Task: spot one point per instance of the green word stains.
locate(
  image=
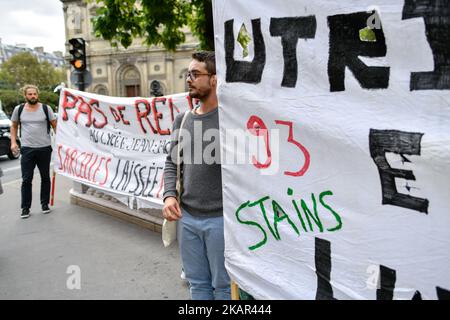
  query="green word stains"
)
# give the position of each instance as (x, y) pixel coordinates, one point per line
(301, 217)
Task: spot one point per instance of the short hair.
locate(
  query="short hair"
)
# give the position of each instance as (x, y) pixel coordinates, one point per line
(29, 86)
(208, 57)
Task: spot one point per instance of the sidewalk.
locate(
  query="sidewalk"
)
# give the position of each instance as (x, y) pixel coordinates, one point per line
(117, 259)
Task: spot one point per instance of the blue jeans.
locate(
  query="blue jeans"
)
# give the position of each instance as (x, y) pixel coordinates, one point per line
(202, 248)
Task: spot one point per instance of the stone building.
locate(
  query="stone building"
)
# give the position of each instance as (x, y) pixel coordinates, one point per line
(125, 72)
(7, 51)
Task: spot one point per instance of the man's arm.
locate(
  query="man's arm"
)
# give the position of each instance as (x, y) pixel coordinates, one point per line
(171, 209)
(52, 117)
(170, 167)
(53, 124)
(14, 127)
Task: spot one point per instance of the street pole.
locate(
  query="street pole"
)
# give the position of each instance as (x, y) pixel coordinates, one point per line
(81, 81)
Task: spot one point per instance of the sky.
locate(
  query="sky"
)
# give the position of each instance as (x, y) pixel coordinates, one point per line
(36, 23)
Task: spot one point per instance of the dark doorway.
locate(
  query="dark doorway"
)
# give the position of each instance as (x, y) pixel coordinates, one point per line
(133, 91)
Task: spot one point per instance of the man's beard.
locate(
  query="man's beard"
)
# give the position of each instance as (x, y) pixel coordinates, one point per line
(199, 95)
(32, 101)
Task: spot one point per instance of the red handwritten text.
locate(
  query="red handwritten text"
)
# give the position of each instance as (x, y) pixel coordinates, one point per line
(82, 165)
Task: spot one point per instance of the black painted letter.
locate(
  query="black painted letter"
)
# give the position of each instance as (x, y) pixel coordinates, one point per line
(442, 293)
(290, 30)
(436, 15)
(346, 46)
(244, 71)
(323, 270)
(387, 283)
(399, 142)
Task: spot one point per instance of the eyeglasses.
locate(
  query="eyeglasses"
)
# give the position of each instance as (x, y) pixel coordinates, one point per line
(194, 75)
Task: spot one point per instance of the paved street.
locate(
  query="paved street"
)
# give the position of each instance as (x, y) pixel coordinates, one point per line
(40, 256)
(11, 169)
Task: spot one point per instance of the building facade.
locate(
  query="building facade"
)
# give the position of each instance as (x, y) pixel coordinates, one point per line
(125, 72)
(7, 51)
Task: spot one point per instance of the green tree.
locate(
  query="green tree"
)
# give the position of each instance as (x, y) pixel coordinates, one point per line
(20, 69)
(25, 68)
(159, 22)
(11, 98)
(50, 76)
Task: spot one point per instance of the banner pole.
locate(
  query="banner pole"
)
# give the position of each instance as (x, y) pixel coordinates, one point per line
(52, 193)
(234, 291)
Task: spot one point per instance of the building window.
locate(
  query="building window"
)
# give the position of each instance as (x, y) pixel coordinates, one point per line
(101, 89)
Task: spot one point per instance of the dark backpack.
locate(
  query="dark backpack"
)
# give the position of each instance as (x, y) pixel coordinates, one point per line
(44, 107)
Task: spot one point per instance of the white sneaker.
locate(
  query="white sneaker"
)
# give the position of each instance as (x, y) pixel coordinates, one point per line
(182, 275)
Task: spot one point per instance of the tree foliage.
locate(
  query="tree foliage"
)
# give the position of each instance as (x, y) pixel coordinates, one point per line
(159, 22)
(24, 68)
(11, 98)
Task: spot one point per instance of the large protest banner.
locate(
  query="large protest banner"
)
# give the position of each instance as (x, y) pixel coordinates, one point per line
(348, 195)
(116, 144)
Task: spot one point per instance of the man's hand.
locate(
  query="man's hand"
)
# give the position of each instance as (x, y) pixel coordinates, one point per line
(171, 209)
(14, 148)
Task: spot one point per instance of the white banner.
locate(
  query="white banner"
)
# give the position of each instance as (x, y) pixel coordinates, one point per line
(347, 196)
(116, 144)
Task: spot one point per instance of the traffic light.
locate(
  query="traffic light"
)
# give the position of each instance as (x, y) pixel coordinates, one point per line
(78, 52)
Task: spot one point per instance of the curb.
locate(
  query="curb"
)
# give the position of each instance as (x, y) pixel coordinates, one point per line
(152, 220)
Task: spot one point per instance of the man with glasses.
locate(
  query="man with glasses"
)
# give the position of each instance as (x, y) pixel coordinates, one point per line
(200, 212)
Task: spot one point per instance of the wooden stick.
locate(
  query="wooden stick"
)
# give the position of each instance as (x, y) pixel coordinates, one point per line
(52, 193)
(234, 291)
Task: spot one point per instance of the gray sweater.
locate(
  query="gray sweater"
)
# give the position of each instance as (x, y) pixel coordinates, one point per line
(201, 169)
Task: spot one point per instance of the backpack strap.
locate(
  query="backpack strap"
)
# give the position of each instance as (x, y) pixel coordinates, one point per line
(45, 107)
(19, 113)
